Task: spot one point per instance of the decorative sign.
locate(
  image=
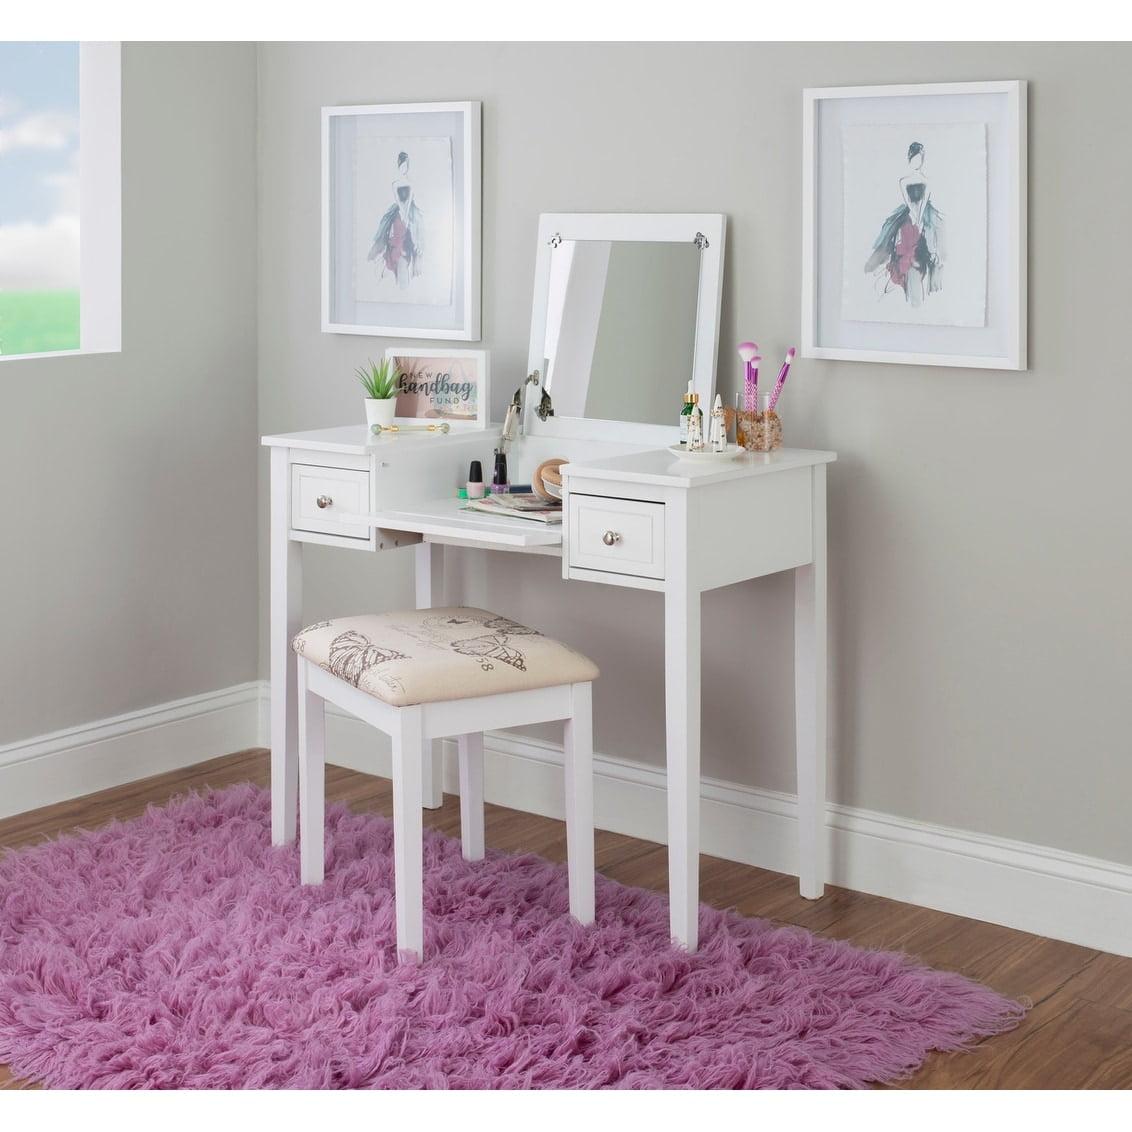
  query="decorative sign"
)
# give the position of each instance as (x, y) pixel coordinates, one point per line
(449, 385)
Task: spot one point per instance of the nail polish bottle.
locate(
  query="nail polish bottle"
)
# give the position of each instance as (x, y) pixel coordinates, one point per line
(475, 480)
(499, 478)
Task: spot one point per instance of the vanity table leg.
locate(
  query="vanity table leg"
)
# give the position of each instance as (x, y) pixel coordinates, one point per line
(810, 684)
(286, 611)
(430, 593)
(682, 733)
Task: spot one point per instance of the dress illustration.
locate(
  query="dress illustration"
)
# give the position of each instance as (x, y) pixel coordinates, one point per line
(397, 241)
(908, 253)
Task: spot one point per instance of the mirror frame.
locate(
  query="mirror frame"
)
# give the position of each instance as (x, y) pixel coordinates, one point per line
(659, 227)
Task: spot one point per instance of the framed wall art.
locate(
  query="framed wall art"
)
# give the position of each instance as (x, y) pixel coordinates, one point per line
(448, 385)
(914, 224)
(401, 220)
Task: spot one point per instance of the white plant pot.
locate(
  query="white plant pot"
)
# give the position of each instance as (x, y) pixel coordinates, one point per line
(380, 412)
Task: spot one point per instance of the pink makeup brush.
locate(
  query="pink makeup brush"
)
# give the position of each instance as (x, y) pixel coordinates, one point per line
(749, 352)
(781, 378)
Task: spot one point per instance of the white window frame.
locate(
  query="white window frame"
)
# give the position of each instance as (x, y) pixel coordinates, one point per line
(100, 204)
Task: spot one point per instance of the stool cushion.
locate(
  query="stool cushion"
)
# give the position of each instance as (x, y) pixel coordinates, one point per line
(424, 655)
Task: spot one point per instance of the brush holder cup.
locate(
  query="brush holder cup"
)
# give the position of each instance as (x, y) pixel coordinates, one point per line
(760, 431)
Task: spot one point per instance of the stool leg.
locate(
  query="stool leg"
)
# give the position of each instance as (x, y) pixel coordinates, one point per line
(312, 781)
(579, 753)
(470, 748)
(408, 830)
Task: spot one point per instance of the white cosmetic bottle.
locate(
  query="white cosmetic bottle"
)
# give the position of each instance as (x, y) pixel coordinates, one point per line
(717, 434)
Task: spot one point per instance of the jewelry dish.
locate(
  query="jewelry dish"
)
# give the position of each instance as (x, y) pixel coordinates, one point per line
(731, 452)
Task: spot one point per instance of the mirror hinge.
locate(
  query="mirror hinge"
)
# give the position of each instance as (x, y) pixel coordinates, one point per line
(545, 408)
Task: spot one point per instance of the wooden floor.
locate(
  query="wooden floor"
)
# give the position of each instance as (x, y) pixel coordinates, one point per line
(1078, 1035)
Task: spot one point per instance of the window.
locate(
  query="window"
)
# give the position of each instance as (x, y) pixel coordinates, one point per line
(60, 198)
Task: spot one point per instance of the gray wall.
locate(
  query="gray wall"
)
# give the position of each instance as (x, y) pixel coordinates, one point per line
(980, 543)
(128, 558)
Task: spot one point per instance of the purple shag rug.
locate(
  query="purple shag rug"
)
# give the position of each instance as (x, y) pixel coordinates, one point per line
(179, 950)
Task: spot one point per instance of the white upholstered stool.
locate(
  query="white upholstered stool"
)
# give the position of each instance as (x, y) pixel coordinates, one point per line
(430, 673)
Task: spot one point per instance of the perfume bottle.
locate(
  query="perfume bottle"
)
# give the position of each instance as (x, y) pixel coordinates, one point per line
(696, 427)
(691, 399)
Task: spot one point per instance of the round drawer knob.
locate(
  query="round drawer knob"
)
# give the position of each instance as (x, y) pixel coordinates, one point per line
(323, 502)
(611, 537)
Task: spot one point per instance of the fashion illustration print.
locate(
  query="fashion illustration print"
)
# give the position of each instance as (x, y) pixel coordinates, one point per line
(397, 242)
(908, 253)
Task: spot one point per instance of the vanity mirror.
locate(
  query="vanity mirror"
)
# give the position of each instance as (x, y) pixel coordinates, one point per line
(625, 314)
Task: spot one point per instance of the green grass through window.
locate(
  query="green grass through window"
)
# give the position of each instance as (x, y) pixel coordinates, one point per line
(38, 322)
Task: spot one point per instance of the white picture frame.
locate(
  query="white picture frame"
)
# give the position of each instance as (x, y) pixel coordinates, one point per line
(828, 115)
(472, 364)
(400, 290)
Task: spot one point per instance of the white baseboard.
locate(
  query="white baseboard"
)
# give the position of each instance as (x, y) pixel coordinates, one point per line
(1032, 888)
(96, 756)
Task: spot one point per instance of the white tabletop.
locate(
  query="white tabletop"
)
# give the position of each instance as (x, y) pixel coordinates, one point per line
(657, 466)
(664, 468)
(357, 440)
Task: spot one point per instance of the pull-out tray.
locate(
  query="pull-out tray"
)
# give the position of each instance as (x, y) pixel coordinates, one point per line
(449, 518)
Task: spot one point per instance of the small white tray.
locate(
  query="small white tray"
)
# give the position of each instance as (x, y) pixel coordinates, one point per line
(731, 452)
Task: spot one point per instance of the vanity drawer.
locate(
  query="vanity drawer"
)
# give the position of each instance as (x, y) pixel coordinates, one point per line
(320, 495)
(618, 536)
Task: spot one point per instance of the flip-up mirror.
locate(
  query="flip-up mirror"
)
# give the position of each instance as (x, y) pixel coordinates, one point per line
(625, 314)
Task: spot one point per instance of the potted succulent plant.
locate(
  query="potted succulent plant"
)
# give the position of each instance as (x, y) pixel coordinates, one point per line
(380, 385)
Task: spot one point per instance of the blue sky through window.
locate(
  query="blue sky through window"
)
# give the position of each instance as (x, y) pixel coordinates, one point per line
(39, 196)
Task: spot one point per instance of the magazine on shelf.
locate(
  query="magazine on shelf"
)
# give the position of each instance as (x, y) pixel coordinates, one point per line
(518, 506)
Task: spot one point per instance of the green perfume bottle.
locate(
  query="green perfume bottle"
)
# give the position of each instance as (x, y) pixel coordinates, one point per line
(691, 400)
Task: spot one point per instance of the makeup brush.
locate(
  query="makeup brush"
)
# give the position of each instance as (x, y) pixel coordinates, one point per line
(749, 352)
(781, 378)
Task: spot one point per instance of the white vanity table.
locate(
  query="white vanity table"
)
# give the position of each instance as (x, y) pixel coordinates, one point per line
(635, 515)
